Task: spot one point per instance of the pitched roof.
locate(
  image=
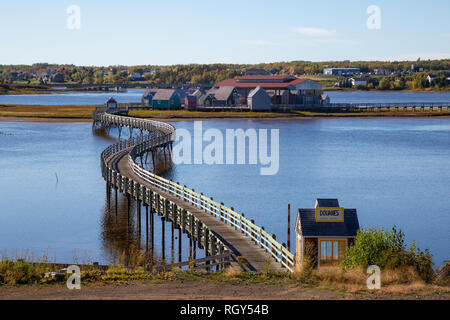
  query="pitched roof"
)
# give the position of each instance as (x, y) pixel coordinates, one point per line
(307, 226)
(150, 91)
(222, 93)
(327, 203)
(257, 90)
(111, 100)
(270, 81)
(164, 94)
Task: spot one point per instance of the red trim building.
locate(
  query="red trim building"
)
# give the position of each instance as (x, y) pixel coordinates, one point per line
(298, 90)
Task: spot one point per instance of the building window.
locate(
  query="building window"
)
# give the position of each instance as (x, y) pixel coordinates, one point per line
(331, 251)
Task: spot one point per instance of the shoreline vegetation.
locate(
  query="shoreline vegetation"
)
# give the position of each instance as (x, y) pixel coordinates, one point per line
(406, 273)
(49, 90)
(74, 113)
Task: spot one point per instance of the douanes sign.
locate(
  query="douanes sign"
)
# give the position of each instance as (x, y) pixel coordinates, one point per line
(329, 214)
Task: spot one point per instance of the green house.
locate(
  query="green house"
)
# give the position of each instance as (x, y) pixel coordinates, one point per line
(166, 99)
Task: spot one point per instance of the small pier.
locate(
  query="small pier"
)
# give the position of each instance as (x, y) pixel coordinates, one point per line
(226, 236)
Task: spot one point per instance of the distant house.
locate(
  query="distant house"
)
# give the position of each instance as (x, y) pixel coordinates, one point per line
(58, 77)
(135, 76)
(190, 101)
(358, 82)
(258, 99)
(279, 96)
(205, 100)
(325, 98)
(430, 79)
(111, 103)
(166, 99)
(224, 96)
(147, 97)
(339, 71)
(257, 72)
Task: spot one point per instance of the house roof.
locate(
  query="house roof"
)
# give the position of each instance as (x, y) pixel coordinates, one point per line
(150, 91)
(263, 81)
(111, 100)
(164, 94)
(307, 226)
(222, 93)
(327, 203)
(257, 90)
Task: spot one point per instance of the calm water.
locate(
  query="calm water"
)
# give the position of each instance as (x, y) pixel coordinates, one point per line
(73, 98)
(134, 95)
(394, 171)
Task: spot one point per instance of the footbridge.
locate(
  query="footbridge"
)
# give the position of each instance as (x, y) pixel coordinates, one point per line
(219, 230)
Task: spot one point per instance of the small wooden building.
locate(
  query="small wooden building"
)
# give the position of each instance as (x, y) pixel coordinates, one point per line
(166, 99)
(258, 100)
(111, 103)
(190, 102)
(324, 233)
(224, 96)
(147, 97)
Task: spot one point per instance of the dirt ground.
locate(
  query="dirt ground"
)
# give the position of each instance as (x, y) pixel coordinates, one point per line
(177, 290)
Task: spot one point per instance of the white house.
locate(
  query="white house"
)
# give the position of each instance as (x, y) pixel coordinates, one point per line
(357, 82)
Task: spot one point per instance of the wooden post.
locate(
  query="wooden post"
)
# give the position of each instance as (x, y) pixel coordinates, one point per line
(289, 228)
(163, 240)
(179, 245)
(152, 232)
(146, 228)
(115, 199)
(128, 204)
(138, 203)
(172, 246)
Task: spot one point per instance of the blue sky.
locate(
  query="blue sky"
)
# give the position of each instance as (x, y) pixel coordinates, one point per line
(244, 31)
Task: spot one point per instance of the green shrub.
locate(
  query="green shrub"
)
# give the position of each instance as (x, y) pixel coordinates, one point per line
(387, 250)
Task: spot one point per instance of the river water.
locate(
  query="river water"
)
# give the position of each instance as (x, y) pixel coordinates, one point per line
(393, 171)
(134, 95)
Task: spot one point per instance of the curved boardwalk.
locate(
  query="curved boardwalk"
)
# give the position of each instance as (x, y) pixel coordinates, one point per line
(215, 228)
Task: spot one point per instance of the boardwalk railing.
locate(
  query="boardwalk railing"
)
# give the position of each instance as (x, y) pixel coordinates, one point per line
(166, 134)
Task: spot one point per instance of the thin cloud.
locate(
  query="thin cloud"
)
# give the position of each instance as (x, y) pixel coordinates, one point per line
(311, 31)
(265, 43)
(412, 57)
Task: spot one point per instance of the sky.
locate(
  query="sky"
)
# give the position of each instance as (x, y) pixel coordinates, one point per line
(168, 32)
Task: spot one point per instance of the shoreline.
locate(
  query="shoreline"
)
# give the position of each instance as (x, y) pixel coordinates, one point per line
(178, 119)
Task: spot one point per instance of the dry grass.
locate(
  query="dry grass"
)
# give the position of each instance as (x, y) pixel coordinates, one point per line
(85, 112)
(404, 281)
(72, 112)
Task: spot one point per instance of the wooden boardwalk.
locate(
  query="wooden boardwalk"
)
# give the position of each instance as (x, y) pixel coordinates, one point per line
(215, 228)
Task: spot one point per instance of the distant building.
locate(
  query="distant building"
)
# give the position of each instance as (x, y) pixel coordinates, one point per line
(282, 89)
(166, 99)
(147, 97)
(111, 103)
(224, 96)
(135, 76)
(430, 79)
(325, 98)
(358, 82)
(58, 78)
(341, 71)
(257, 72)
(258, 99)
(324, 233)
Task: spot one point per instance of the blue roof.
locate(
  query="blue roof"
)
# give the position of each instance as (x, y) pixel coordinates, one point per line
(307, 226)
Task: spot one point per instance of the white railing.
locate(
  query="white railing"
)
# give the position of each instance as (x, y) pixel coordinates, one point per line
(218, 210)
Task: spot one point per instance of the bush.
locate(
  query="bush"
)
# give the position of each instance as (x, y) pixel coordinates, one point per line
(387, 250)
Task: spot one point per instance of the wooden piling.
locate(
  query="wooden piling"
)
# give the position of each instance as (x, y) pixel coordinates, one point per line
(289, 228)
